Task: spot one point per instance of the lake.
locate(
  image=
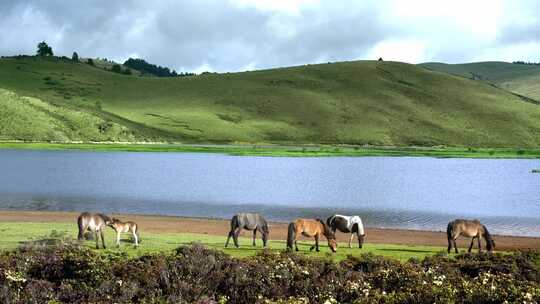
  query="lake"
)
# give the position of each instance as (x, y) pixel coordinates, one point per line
(390, 192)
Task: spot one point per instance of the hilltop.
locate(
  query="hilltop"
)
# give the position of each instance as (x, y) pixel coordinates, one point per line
(523, 79)
(359, 102)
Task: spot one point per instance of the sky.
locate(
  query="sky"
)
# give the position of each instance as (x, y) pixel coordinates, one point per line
(240, 35)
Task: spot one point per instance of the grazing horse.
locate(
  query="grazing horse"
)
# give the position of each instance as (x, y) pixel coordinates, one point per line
(469, 228)
(121, 227)
(95, 222)
(348, 224)
(248, 221)
(310, 228)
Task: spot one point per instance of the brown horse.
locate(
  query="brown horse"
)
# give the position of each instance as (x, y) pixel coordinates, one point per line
(310, 228)
(469, 228)
(95, 222)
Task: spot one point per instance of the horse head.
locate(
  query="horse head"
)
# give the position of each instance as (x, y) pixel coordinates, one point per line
(332, 243)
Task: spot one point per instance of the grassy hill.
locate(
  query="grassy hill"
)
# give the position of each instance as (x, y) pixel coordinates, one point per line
(518, 78)
(363, 102)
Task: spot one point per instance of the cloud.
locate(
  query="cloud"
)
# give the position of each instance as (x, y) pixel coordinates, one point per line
(219, 35)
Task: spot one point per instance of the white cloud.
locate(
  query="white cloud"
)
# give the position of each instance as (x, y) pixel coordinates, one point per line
(292, 7)
(413, 51)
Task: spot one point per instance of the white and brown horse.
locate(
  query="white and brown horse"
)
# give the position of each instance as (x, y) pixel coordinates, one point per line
(348, 224)
(95, 222)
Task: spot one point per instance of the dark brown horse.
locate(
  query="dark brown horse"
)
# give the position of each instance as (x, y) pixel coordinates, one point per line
(469, 228)
(249, 221)
(95, 222)
(310, 228)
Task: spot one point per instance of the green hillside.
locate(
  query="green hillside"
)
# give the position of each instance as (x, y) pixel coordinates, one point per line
(363, 102)
(518, 78)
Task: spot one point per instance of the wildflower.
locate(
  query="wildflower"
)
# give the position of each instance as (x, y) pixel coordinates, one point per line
(14, 276)
(330, 300)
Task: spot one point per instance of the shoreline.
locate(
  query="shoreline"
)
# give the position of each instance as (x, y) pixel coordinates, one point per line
(283, 150)
(278, 230)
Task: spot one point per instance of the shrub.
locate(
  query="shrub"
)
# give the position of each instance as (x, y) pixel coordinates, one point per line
(66, 272)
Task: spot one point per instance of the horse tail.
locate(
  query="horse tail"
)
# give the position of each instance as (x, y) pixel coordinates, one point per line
(490, 244)
(450, 231)
(234, 222)
(291, 233)
(80, 237)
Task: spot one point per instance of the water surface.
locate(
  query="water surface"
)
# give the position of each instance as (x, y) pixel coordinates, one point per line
(391, 192)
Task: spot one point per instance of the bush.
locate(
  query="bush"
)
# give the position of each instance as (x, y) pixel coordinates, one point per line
(66, 272)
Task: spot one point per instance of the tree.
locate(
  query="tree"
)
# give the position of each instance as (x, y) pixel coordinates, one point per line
(116, 68)
(43, 49)
(90, 61)
(75, 57)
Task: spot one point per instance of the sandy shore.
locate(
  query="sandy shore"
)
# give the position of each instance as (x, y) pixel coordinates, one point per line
(172, 224)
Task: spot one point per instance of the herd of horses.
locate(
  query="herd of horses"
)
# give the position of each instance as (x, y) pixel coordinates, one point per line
(315, 228)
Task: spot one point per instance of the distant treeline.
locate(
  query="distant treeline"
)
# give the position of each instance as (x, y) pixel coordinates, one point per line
(526, 63)
(142, 66)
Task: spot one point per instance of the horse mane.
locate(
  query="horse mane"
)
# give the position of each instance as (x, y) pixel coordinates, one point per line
(327, 232)
(104, 217)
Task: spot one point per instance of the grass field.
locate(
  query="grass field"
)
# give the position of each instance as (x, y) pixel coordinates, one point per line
(518, 78)
(286, 151)
(15, 234)
(362, 102)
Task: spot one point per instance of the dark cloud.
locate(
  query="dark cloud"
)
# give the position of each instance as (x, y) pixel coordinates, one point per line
(225, 36)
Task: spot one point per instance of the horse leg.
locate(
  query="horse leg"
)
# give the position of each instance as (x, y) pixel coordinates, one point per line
(231, 234)
(350, 240)
(296, 241)
(97, 238)
(316, 246)
(254, 236)
(136, 238)
(479, 243)
(235, 236)
(472, 242)
(102, 239)
(117, 238)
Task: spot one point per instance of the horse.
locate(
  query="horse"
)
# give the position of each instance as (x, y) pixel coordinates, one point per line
(348, 224)
(94, 222)
(310, 228)
(121, 227)
(248, 221)
(469, 228)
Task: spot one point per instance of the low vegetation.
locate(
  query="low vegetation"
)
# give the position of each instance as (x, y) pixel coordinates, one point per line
(285, 151)
(67, 273)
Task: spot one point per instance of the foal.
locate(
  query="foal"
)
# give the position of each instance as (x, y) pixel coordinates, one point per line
(469, 228)
(95, 222)
(121, 227)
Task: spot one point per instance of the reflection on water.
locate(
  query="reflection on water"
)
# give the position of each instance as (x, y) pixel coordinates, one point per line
(413, 193)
